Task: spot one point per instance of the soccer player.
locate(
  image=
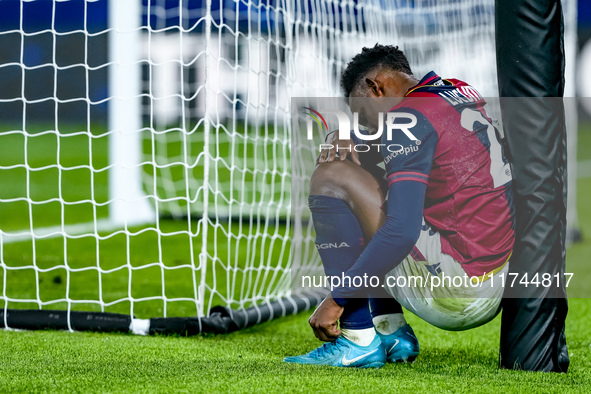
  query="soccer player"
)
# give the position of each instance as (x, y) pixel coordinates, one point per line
(442, 214)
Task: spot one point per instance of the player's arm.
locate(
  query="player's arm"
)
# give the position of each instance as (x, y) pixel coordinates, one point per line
(393, 241)
(407, 184)
(407, 181)
(408, 174)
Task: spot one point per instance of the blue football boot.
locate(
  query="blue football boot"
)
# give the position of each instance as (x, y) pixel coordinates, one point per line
(401, 346)
(344, 353)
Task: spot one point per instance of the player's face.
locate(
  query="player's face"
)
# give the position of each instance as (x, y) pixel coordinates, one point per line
(380, 91)
(369, 105)
(368, 116)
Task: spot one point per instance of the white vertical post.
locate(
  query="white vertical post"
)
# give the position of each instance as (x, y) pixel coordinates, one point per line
(209, 98)
(569, 10)
(129, 205)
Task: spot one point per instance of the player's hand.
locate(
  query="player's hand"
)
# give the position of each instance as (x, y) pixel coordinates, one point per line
(324, 320)
(343, 148)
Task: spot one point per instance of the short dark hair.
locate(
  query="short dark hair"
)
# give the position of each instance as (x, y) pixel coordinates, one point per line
(369, 59)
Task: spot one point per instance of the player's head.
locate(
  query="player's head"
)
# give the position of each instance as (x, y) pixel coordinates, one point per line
(378, 72)
(381, 59)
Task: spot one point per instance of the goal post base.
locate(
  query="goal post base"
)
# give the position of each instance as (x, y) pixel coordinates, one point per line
(35, 319)
(221, 320)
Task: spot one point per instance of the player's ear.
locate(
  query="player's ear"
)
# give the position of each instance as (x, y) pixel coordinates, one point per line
(371, 85)
(376, 87)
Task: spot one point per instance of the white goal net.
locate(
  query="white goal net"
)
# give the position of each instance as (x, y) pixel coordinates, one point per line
(145, 163)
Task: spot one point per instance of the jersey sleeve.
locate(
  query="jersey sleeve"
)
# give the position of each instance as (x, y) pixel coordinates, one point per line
(409, 159)
(406, 159)
(392, 242)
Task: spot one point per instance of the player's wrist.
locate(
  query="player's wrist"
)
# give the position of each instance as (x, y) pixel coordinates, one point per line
(338, 300)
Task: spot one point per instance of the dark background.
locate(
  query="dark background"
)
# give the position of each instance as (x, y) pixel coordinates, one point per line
(38, 78)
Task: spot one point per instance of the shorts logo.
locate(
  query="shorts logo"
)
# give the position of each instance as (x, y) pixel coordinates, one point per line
(434, 269)
(332, 245)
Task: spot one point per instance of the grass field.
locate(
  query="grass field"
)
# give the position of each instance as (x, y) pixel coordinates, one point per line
(251, 360)
(152, 270)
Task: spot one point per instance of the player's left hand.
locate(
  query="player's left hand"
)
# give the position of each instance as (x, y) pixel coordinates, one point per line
(339, 151)
(324, 320)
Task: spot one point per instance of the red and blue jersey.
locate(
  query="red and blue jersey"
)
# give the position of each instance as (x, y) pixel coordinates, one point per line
(457, 153)
(444, 163)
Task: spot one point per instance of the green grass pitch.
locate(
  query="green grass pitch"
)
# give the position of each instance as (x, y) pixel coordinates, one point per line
(251, 360)
(163, 257)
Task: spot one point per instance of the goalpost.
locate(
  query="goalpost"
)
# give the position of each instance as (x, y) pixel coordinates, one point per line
(180, 201)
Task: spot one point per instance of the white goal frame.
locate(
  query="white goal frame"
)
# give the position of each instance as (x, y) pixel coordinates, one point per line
(314, 46)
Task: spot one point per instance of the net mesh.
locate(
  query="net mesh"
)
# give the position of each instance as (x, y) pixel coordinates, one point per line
(215, 162)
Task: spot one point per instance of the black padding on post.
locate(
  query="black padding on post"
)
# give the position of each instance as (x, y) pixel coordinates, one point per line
(223, 320)
(26, 319)
(530, 63)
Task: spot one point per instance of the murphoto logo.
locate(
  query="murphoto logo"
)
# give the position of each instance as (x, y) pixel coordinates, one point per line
(395, 121)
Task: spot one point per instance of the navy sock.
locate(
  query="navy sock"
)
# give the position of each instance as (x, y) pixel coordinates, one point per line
(382, 303)
(339, 242)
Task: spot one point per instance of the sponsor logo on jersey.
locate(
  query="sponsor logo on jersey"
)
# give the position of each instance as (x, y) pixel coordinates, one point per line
(403, 151)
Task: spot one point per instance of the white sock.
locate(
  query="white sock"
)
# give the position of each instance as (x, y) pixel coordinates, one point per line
(389, 324)
(361, 337)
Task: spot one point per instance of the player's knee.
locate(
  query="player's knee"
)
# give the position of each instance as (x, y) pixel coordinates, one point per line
(329, 179)
(342, 179)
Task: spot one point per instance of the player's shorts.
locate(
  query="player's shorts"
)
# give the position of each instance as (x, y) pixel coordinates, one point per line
(435, 287)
